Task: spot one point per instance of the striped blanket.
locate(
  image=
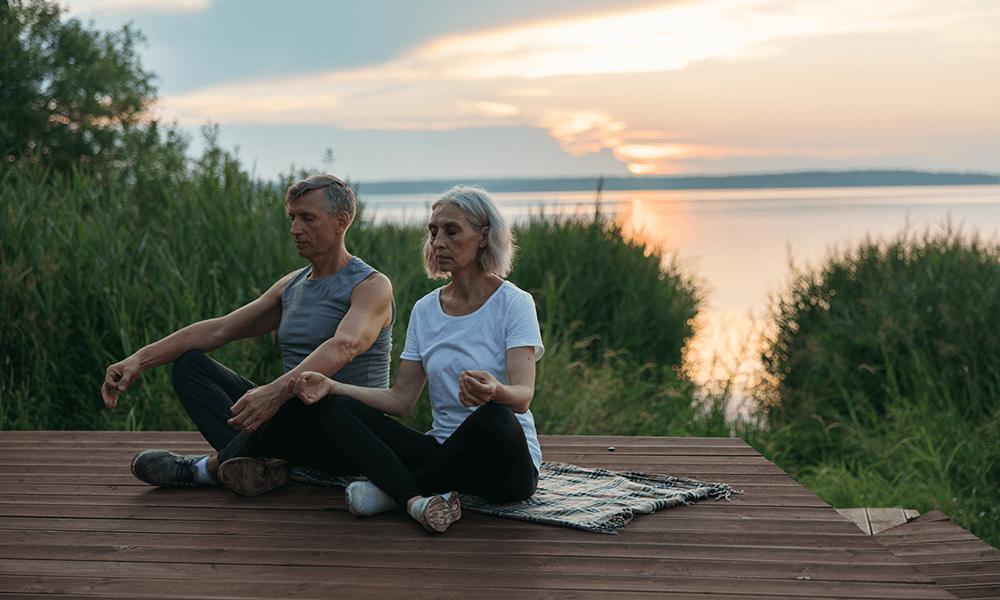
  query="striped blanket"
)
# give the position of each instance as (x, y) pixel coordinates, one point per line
(578, 497)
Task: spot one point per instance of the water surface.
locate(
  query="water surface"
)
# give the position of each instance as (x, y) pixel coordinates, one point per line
(740, 241)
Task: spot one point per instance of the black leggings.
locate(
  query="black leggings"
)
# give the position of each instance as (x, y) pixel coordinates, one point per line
(208, 390)
(486, 456)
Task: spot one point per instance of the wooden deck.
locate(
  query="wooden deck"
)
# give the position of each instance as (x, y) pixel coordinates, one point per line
(74, 523)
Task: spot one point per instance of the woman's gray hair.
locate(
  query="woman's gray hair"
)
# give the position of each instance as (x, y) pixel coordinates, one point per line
(337, 196)
(497, 257)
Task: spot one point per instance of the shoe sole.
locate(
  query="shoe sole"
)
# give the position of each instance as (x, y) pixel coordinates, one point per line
(134, 460)
(450, 511)
(251, 477)
(454, 506)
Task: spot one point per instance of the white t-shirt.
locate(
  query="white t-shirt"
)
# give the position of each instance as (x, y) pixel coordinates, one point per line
(448, 345)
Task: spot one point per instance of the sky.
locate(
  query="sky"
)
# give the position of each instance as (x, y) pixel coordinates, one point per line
(388, 90)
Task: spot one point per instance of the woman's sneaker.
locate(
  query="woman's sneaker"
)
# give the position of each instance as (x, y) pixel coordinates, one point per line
(250, 476)
(166, 469)
(437, 513)
(365, 499)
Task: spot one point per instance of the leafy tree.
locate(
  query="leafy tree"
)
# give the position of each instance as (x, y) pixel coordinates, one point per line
(68, 94)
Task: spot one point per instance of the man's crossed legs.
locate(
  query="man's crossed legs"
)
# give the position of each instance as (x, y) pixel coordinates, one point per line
(248, 464)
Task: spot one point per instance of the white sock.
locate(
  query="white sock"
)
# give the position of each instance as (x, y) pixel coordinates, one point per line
(365, 499)
(417, 508)
(201, 474)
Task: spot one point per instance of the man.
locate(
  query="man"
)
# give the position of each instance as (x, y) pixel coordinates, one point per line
(334, 316)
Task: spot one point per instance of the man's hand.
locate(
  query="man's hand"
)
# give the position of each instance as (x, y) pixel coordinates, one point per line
(257, 406)
(118, 378)
(476, 388)
(311, 387)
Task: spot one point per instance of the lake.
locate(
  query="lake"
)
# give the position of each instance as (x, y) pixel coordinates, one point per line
(740, 241)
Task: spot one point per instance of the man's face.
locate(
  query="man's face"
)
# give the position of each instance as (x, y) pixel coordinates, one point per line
(314, 232)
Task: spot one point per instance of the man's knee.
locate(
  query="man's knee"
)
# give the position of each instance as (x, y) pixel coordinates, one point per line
(186, 364)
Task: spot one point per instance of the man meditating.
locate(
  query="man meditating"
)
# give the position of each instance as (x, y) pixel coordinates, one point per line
(332, 317)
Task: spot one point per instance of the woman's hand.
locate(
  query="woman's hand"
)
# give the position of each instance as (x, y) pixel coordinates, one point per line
(476, 388)
(311, 387)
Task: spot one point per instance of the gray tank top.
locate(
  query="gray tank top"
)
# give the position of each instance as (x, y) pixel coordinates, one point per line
(311, 310)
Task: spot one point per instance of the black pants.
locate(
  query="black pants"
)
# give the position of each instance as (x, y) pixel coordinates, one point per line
(486, 456)
(208, 390)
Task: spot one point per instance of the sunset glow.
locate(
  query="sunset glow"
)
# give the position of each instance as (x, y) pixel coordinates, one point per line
(680, 87)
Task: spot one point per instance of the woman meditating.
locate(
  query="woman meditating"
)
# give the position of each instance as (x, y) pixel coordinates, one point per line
(476, 340)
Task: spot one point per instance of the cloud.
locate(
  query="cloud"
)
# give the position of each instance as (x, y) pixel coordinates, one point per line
(556, 76)
(110, 8)
(581, 132)
(663, 38)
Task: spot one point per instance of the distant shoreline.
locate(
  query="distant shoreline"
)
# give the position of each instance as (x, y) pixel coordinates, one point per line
(806, 179)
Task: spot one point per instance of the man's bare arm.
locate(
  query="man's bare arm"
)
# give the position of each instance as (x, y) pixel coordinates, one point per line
(370, 312)
(255, 318)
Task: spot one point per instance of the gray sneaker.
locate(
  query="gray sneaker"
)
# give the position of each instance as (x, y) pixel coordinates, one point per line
(250, 476)
(166, 469)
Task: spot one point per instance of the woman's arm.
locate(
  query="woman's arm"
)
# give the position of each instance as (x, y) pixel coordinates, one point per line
(479, 387)
(397, 400)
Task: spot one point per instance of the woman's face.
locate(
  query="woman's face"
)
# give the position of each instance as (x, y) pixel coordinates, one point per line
(454, 241)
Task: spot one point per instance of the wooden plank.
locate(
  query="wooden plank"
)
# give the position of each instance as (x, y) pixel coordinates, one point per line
(537, 563)
(529, 576)
(612, 547)
(474, 528)
(308, 519)
(876, 520)
(858, 516)
(882, 519)
(148, 588)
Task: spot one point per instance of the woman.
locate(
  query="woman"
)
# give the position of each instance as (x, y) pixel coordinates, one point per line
(476, 341)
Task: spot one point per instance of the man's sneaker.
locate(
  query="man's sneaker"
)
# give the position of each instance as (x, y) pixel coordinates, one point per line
(249, 476)
(166, 469)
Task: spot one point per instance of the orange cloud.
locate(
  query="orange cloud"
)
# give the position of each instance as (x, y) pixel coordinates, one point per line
(645, 152)
(581, 132)
(600, 83)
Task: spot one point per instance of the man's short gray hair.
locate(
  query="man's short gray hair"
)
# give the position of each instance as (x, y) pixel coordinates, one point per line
(498, 255)
(337, 196)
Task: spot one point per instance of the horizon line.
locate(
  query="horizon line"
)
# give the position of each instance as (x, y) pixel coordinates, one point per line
(783, 179)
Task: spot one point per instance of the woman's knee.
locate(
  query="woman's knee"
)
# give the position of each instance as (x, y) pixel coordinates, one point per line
(335, 411)
(495, 419)
(493, 412)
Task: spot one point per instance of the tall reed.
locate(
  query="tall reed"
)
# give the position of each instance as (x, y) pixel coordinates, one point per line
(588, 277)
(91, 273)
(884, 376)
